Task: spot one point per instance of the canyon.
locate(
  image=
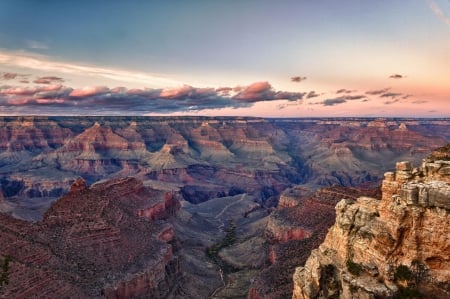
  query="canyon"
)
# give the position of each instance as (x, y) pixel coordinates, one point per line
(396, 247)
(187, 207)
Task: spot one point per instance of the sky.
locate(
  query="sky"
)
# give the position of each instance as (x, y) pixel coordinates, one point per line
(287, 58)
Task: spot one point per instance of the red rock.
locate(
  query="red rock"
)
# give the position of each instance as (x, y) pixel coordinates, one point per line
(91, 243)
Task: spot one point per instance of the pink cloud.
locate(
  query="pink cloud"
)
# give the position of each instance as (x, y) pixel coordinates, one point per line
(18, 91)
(89, 91)
(173, 93)
(48, 80)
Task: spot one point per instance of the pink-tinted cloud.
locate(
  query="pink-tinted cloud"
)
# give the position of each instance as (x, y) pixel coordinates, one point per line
(8, 76)
(18, 91)
(48, 80)
(12, 76)
(89, 91)
(257, 91)
(101, 99)
(224, 91)
(263, 91)
(439, 13)
(174, 93)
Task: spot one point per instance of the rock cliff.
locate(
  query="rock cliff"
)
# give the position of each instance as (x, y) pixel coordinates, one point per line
(298, 225)
(42, 156)
(399, 246)
(114, 240)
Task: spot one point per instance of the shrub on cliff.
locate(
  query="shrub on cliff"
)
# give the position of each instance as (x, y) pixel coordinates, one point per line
(402, 272)
(354, 268)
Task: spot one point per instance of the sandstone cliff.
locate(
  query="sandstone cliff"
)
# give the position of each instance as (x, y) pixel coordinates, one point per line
(298, 225)
(399, 246)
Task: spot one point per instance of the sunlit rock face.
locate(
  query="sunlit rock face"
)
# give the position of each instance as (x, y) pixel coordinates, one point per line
(114, 240)
(372, 239)
(298, 225)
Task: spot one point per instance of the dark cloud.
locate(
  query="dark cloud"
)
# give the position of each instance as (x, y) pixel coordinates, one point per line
(343, 90)
(352, 98)
(298, 79)
(332, 102)
(419, 102)
(312, 94)
(391, 95)
(342, 99)
(396, 76)
(48, 80)
(378, 91)
(391, 102)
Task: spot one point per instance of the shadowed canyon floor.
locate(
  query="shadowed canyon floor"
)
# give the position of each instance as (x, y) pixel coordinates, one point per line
(227, 239)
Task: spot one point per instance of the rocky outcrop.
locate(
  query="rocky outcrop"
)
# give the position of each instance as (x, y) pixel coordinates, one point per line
(293, 230)
(114, 240)
(383, 249)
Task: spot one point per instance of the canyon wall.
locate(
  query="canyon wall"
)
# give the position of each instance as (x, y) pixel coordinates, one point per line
(112, 240)
(206, 157)
(390, 247)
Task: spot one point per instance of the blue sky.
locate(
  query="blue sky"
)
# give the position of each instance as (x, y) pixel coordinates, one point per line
(355, 45)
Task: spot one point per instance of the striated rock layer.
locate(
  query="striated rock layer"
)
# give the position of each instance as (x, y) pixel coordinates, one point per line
(299, 225)
(386, 249)
(112, 240)
(41, 156)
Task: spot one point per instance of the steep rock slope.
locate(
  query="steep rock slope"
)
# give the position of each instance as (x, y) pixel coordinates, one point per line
(112, 240)
(389, 248)
(299, 225)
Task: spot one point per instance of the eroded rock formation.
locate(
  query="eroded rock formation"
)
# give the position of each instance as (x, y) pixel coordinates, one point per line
(102, 241)
(42, 156)
(299, 225)
(382, 249)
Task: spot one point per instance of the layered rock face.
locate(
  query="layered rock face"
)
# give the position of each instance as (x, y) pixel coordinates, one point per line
(112, 240)
(41, 156)
(299, 225)
(383, 249)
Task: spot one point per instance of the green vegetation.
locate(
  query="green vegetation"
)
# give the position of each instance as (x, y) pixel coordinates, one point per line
(4, 277)
(409, 293)
(366, 235)
(212, 252)
(402, 272)
(354, 268)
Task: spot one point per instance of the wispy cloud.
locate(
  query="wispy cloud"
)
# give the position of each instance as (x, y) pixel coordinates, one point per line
(378, 91)
(48, 80)
(438, 12)
(312, 94)
(12, 76)
(396, 76)
(44, 63)
(36, 45)
(298, 79)
(343, 90)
